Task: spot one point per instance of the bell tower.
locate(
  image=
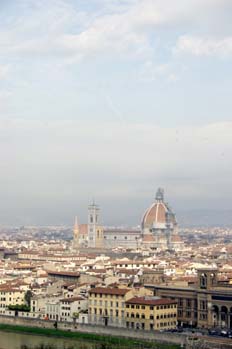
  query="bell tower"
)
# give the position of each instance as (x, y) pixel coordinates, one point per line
(95, 230)
(207, 278)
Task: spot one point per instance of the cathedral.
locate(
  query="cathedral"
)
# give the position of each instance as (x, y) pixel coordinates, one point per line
(159, 227)
(159, 230)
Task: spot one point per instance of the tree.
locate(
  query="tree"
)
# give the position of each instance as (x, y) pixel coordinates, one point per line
(27, 297)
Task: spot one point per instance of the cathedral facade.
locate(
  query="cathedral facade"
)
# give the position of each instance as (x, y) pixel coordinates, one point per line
(159, 230)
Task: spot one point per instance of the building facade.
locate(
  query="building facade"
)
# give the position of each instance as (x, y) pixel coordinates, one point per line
(107, 306)
(206, 304)
(131, 308)
(122, 238)
(159, 230)
(151, 313)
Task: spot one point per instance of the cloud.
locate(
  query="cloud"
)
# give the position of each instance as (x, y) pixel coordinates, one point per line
(199, 46)
(138, 149)
(4, 70)
(63, 164)
(124, 27)
(151, 72)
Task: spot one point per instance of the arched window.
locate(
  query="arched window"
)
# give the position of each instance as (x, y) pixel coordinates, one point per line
(203, 281)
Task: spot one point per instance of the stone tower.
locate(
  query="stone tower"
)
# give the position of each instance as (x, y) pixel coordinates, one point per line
(95, 230)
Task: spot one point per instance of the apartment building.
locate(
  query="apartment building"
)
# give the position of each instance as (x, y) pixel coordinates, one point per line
(73, 309)
(107, 306)
(151, 313)
(10, 296)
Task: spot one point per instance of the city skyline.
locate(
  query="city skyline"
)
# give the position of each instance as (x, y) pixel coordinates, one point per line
(112, 99)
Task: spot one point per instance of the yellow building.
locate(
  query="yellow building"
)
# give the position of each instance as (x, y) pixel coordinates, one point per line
(151, 313)
(107, 304)
(10, 296)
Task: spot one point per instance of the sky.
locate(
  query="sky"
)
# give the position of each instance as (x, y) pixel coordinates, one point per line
(111, 99)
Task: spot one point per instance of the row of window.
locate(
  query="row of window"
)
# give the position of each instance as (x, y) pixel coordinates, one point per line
(10, 293)
(158, 307)
(188, 314)
(106, 313)
(142, 325)
(111, 303)
(189, 303)
(163, 316)
(99, 295)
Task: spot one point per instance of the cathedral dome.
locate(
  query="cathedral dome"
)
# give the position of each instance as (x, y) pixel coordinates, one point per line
(159, 214)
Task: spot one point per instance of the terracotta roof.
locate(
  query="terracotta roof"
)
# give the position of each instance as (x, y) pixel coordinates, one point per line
(64, 273)
(149, 301)
(148, 238)
(127, 271)
(72, 299)
(108, 290)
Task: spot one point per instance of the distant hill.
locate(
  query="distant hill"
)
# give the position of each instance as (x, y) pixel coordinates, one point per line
(207, 218)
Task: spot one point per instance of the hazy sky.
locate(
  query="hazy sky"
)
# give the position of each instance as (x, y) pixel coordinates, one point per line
(111, 99)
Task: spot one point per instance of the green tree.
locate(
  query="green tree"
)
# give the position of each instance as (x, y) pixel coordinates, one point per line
(27, 297)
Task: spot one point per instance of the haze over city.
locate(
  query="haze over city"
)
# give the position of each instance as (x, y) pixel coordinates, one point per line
(111, 99)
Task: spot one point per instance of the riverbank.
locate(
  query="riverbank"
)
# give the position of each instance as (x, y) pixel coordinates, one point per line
(104, 341)
(104, 331)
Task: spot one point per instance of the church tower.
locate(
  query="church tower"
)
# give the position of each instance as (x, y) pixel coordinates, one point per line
(95, 230)
(76, 234)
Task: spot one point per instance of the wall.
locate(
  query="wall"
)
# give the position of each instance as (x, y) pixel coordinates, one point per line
(118, 332)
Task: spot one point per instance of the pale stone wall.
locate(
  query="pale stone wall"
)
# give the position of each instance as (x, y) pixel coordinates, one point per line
(117, 332)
